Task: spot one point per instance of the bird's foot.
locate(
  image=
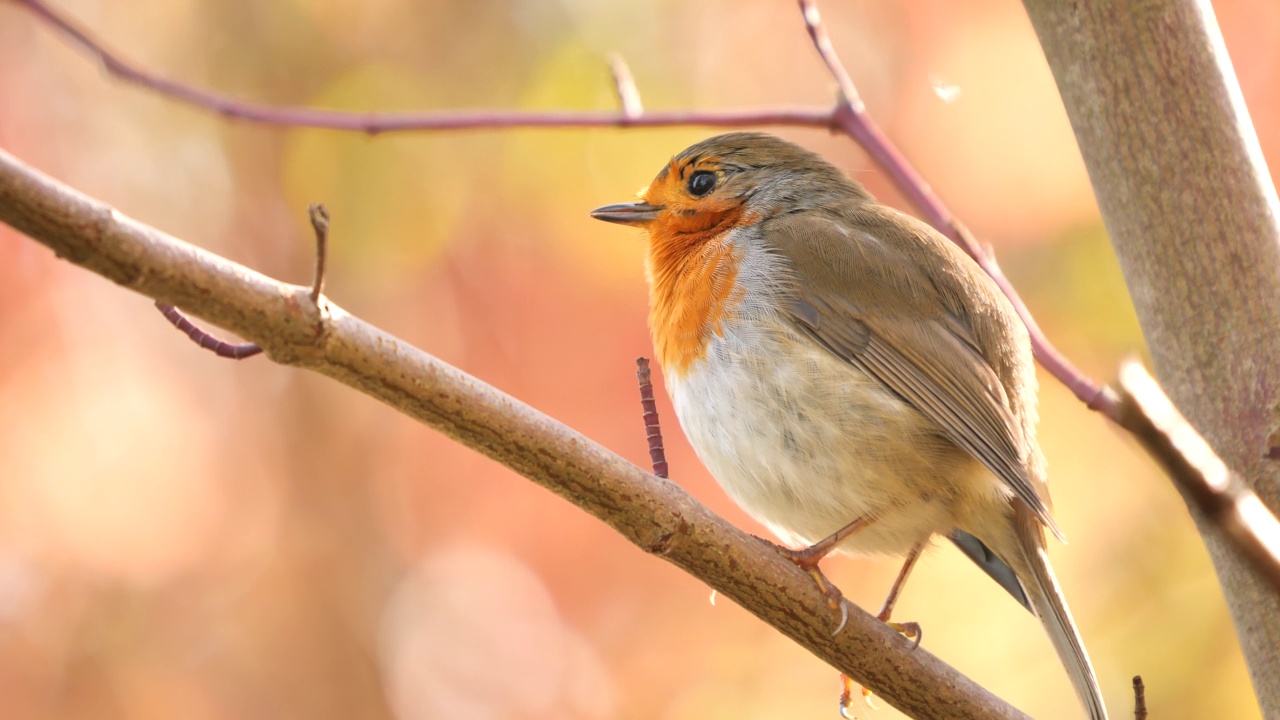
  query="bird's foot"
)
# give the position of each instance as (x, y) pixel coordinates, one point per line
(846, 697)
(807, 560)
(908, 630)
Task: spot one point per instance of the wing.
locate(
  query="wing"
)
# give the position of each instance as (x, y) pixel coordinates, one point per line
(921, 351)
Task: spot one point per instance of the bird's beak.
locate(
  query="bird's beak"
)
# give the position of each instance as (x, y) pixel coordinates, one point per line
(628, 213)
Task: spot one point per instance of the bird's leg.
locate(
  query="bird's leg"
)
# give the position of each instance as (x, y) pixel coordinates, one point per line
(808, 558)
(909, 629)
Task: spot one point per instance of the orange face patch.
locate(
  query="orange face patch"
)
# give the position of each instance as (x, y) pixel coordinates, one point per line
(692, 266)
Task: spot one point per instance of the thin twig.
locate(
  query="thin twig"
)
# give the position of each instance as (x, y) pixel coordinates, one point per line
(1223, 497)
(822, 43)
(652, 428)
(1139, 699)
(376, 123)
(221, 348)
(625, 86)
(319, 216)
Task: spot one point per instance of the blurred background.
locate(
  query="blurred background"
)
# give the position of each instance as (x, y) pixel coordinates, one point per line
(184, 536)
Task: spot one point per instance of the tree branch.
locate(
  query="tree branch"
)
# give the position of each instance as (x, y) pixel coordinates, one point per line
(1199, 474)
(653, 513)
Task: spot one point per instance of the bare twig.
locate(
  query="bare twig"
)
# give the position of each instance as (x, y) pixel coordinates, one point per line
(652, 428)
(1204, 480)
(1139, 699)
(319, 216)
(849, 95)
(221, 348)
(625, 86)
(376, 123)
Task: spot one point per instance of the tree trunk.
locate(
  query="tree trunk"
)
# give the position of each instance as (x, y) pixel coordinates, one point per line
(1192, 214)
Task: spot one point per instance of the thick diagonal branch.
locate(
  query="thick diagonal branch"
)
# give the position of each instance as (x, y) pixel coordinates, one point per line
(651, 512)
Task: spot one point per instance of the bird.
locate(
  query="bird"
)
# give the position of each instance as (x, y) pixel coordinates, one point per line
(851, 378)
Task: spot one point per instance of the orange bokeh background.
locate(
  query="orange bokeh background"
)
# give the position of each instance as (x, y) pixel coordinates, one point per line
(184, 536)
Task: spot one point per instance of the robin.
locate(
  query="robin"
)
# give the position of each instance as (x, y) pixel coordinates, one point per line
(850, 377)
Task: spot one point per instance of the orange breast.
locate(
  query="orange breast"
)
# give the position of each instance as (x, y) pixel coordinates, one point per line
(693, 290)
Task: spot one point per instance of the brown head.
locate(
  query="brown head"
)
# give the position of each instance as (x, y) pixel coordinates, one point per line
(731, 180)
(722, 183)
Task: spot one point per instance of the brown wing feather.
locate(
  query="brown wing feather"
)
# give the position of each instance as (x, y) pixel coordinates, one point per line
(908, 341)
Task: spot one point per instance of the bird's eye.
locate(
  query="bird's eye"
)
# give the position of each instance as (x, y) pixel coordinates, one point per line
(701, 182)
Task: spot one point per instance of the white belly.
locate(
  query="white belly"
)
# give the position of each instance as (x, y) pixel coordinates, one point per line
(806, 444)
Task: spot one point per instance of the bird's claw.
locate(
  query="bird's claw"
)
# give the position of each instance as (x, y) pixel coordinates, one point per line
(909, 630)
(844, 617)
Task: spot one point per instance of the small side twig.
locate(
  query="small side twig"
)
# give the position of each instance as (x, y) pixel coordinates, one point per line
(319, 216)
(221, 348)
(625, 86)
(1204, 480)
(822, 43)
(1139, 699)
(652, 428)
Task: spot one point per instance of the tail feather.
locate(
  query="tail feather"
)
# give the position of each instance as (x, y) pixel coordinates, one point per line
(1051, 607)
